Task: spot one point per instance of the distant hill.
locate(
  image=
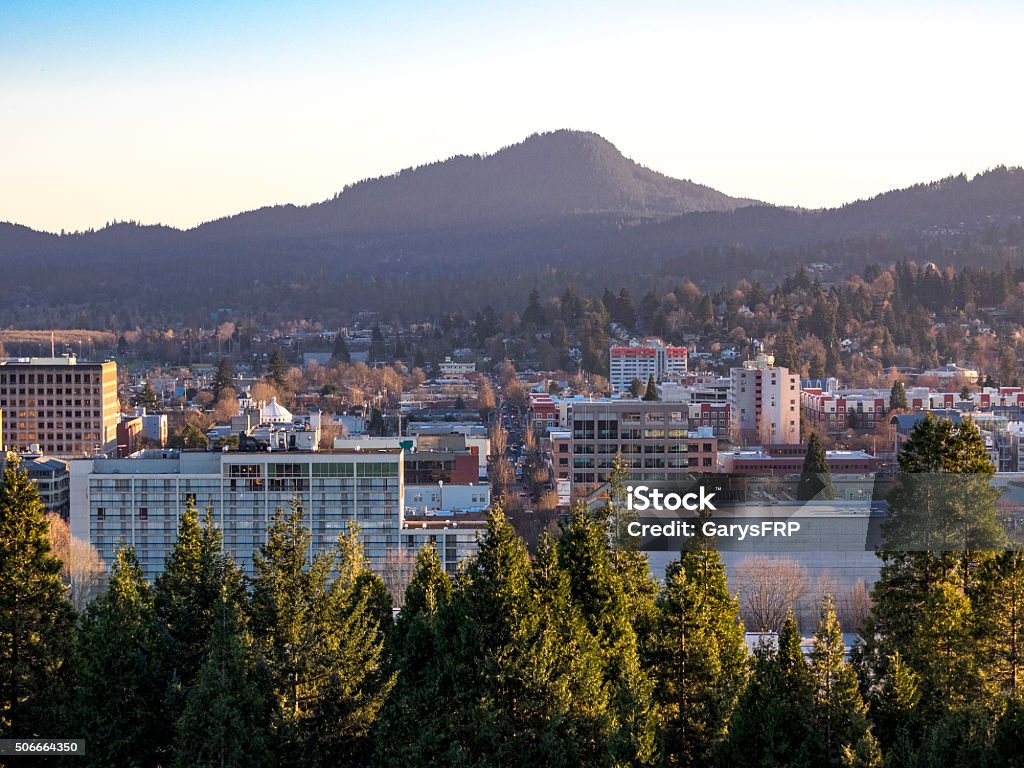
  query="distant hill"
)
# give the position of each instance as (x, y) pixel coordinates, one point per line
(558, 208)
(547, 176)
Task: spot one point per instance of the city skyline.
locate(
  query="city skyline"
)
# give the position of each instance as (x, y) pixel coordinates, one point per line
(184, 114)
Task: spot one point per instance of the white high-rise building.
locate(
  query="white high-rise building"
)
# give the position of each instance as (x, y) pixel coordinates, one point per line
(765, 402)
(652, 358)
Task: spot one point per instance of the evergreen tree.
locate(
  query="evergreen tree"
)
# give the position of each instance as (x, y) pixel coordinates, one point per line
(278, 372)
(322, 642)
(223, 385)
(226, 723)
(774, 721)
(942, 501)
(534, 312)
(832, 362)
(651, 394)
(197, 576)
(815, 477)
(147, 398)
(378, 348)
(418, 644)
(786, 354)
(625, 312)
(998, 602)
(525, 683)
(942, 532)
(840, 713)
(895, 703)
(600, 592)
(399, 347)
(340, 353)
(898, 396)
(36, 619)
(700, 657)
(121, 670)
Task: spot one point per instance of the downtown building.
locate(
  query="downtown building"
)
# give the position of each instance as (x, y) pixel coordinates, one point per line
(656, 441)
(139, 501)
(641, 361)
(59, 406)
(764, 403)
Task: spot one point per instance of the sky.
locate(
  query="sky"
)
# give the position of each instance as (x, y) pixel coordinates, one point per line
(181, 112)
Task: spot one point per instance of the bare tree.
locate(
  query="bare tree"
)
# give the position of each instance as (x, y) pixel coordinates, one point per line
(485, 397)
(225, 408)
(768, 588)
(502, 476)
(825, 586)
(499, 440)
(82, 572)
(396, 573)
(529, 438)
(854, 607)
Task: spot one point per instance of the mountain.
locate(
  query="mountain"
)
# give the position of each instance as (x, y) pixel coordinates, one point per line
(547, 176)
(559, 208)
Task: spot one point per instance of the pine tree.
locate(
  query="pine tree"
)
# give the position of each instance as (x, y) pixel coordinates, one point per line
(898, 396)
(417, 646)
(840, 713)
(121, 673)
(895, 702)
(226, 722)
(36, 619)
(651, 394)
(815, 477)
(599, 591)
(998, 602)
(378, 349)
(700, 657)
(278, 370)
(223, 384)
(321, 640)
(786, 355)
(197, 576)
(774, 721)
(534, 312)
(147, 398)
(942, 531)
(340, 353)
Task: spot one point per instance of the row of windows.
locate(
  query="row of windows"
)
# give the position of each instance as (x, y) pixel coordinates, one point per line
(49, 378)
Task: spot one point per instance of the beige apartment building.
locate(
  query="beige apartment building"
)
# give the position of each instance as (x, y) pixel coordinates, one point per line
(65, 407)
(764, 402)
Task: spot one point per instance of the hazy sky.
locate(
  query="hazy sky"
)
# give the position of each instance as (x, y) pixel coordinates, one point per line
(186, 111)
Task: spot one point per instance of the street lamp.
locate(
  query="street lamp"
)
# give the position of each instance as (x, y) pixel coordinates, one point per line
(440, 495)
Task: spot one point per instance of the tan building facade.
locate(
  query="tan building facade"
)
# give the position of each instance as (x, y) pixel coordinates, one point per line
(67, 408)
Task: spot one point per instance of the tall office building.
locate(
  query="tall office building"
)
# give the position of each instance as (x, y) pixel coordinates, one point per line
(655, 439)
(65, 407)
(652, 358)
(765, 402)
